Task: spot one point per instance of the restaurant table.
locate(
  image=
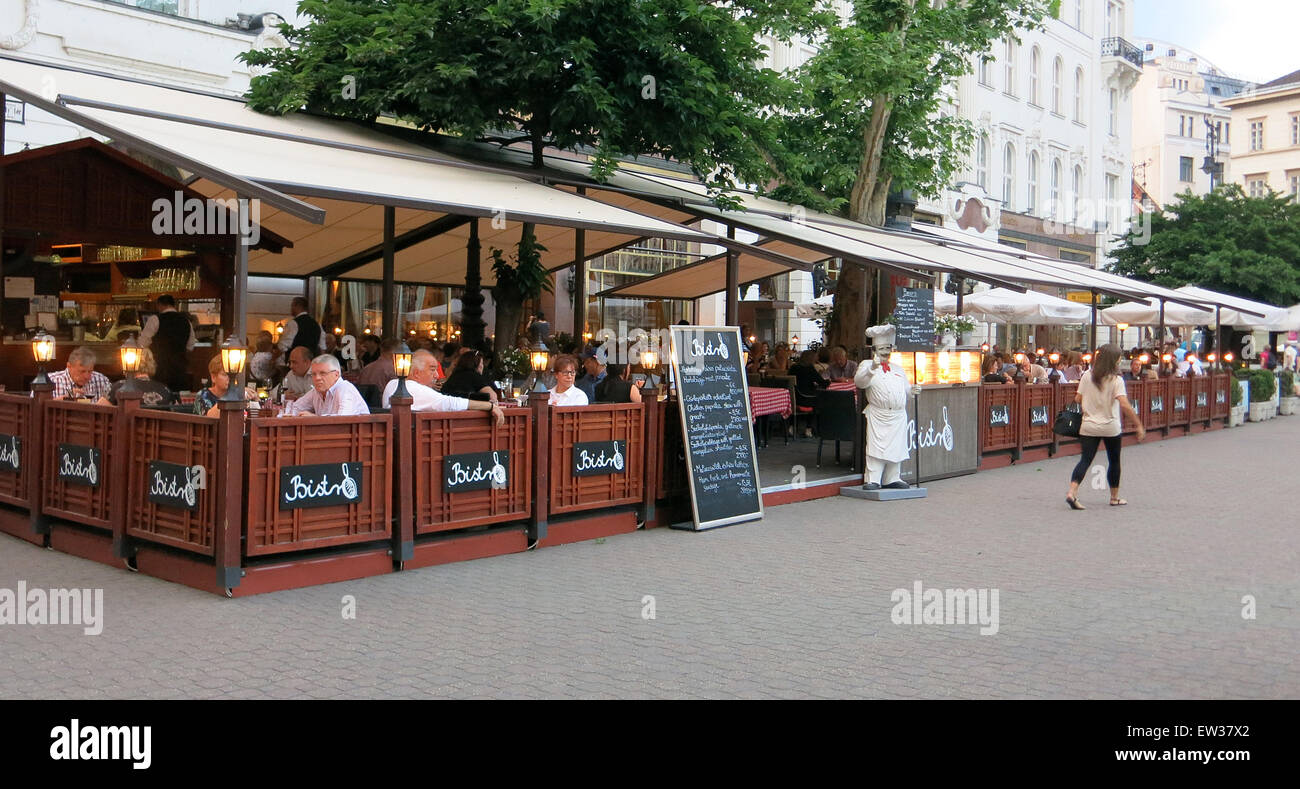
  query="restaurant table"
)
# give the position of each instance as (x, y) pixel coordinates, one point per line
(842, 386)
(768, 401)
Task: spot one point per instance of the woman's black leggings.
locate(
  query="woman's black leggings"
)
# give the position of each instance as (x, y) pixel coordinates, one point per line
(1089, 444)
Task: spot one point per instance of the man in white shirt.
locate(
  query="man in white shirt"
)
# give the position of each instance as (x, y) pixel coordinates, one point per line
(419, 385)
(298, 319)
(297, 382)
(330, 394)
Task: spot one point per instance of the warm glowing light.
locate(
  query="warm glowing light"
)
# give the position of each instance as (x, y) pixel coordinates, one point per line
(586, 335)
(1211, 358)
(233, 357)
(922, 360)
(1144, 358)
(279, 330)
(649, 359)
(367, 330)
(966, 361)
(1020, 357)
(43, 348)
(1121, 326)
(1056, 357)
(944, 360)
(539, 360)
(1227, 357)
(338, 330)
(1087, 357)
(984, 347)
(1167, 358)
(412, 332)
(402, 360)
(751, 338)
(1040, 351)
(130, 353)
(1192, 358)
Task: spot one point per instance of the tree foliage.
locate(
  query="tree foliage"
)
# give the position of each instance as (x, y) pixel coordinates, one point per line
(1224, 241)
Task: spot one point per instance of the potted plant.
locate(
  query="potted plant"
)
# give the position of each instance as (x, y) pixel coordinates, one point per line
(1288, 400)
(514, 364)
(1262, 387)
(1238, 413)
(951, 326)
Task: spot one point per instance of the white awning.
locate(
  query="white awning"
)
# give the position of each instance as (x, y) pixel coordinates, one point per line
(1007, 306)
(1238, 311)
(1147, 313)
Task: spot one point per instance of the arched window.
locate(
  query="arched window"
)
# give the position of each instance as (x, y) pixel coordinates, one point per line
(1035, 68)
(1058, 68)
(1078, 94)
(1055, 209)
(1031, 206)
(1009, 177)
(982, 161)
(1009, 66)
(1076, 193)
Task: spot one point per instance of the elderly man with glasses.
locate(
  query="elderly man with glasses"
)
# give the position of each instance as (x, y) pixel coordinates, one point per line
(79, 380)
(330, 395)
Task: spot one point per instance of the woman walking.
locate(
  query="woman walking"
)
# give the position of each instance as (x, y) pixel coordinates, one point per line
(1102, 395)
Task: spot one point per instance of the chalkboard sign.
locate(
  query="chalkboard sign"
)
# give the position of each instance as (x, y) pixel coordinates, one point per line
(11, 451)
(80, 465)
(1202, 399)
(1220, 397)
(716, 425)
(475, 471)
(593, 458)
(174, 485)
(1158, 404)
(1039, 416)
(999, 415)
(320, 485)
(914, 313)
(1180, 403)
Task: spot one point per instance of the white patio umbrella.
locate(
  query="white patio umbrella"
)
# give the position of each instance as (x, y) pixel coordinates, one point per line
(1000, 305)
(819, 307)
(945, 303)
(1273, 318)
(1147, 313)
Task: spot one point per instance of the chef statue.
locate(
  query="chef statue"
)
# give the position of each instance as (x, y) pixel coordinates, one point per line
(887, 390)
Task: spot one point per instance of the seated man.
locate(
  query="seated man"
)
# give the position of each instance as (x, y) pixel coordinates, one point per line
(296, 382)
(419, 384)
(841, 367)
(594, 373)
(379, 372)
(330, 394)
(79, 380)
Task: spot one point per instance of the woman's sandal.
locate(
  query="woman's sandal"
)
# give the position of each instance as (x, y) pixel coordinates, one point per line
(1118, 502)
(1074, 503)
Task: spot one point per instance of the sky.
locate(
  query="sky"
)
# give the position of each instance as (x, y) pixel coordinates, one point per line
(1247, 39)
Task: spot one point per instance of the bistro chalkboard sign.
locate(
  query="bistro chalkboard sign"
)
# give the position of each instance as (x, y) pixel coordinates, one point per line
(592, 458)
(1039, 416)
(914, 313)
(80, 465)
(1180, 402)
(320, 485)
(716, 425)
(1202, 399)
(174, 485)
(475, 471)
(1158, 404)
(11, 453)
(999, 415)
(1220, 397)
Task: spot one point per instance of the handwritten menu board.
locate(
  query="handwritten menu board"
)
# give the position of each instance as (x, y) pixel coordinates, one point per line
(723, 470)
(914, 310)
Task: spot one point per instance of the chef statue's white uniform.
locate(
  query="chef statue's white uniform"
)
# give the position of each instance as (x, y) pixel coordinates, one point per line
(887, 392)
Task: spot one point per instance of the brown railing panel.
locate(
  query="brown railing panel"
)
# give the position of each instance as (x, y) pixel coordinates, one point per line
(1220, 396)
(88, 425)
(1201, 397)
(1156, 416)
(996, 398)
(1137, 397)
(622, 422)
(439, 434)
(185, 440)
(15, 419)
(294, 441)
(1180, 393)
(1036, 403)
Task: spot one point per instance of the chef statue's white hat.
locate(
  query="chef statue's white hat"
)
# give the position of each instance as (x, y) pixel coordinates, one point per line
(882, 335)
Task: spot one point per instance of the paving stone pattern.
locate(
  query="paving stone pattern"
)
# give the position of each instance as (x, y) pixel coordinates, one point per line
(1143, 601)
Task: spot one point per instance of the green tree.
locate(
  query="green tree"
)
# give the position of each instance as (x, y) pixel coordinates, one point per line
(1224, 241)
(863, 117)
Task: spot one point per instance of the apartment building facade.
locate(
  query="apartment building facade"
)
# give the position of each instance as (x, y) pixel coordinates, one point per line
(1266, 121)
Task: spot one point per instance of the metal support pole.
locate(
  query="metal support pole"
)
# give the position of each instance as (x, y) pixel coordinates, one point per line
(1092, 341)
(390, 302)
(733, 283)
(471, 311)
(239, 311)
(1160, 343)
(580, 280)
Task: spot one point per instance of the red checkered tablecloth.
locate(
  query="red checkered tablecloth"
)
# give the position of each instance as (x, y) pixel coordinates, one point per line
(765, 400)
(841, 386)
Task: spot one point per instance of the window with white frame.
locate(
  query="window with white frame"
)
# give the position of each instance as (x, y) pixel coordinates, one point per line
(1295, 128)
(1058, 67)
(1009, 176)
(1227, 132)
(1257, 135)
(1185, 169)
(982, 161)
(1257, 185)
(1035, 68)
(1076, 193)
(1114, 111)
(1031, 202)
(986, 72)
(1009, 67)
(1078, 15)
(1293, 185)
(1112, 203)
(1078, 95)
(1055, 209)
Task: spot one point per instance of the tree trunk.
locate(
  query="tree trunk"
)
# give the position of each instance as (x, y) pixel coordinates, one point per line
(510, 309)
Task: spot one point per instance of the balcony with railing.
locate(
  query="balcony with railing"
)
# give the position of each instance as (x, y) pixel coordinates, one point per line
(1116, 47)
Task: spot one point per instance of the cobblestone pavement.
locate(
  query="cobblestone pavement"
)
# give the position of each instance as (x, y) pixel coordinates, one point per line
(1135, 602)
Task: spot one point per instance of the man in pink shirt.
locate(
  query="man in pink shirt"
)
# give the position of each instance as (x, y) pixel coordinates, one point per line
(330, 395)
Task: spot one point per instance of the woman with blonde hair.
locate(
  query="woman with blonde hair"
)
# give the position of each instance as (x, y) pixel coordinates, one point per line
(1102, 396)
(152, 393)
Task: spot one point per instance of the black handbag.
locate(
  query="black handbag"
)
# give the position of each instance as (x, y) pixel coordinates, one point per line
(1068, 423)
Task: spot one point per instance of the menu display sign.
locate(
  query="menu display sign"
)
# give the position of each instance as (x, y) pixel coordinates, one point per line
(944, 440)
(1180, 402)
(1157, 404)
(1039, 416)
(320, 485)
(1202, 399)
(80, 465)
(475, 471)
(914, 313)
(174, 485)
(999, 415)
(593, 458)
(11, 452)
(714, 395)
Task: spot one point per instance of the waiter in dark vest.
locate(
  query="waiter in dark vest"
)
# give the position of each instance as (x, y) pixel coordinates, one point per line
(301, 330)
(170, 336)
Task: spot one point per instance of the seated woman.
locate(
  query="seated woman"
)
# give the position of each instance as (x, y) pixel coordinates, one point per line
(757, 358)
(128, 323)
(206, 403)
(152, 392)
(780, 364)
(991, 371)
(1073, 366)
(615, 387)
(807, 380)
(468, 380)
(261, 365)
(564, 392)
